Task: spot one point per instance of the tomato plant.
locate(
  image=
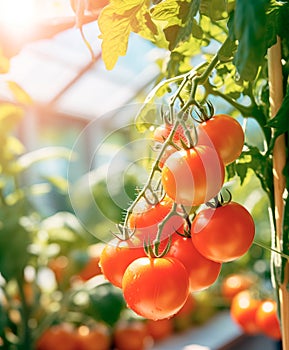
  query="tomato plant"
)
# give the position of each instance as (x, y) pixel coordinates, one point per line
(223, 133)
(202, 272)
(194, 176)
(155, 288)
(224, 233)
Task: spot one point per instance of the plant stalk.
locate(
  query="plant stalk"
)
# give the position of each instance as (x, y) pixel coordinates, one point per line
(279, 160)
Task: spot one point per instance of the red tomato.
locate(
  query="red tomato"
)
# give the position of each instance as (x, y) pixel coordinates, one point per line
(131, 335)
(235, 283)
(145, 219)
(160, 329)
(267, 319)
(225, 134)
(243, 311)
(155, 288)
(194, 176)
(162, 132)
(224, 233)
(59, 266)
(59, 337)
(202, 271)
(97, 338)
(168, 151)
(115, 258)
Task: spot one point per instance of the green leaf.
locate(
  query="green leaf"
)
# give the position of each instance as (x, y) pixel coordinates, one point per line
(10, 116)
(249, 27)
(117, 21)
(215, 9)
(178, 18)
(106, 303)
(280, 122)
(227, 50)
(262, 166)
(20, 94)
(59, 182)
(28, 159)
(14, 242)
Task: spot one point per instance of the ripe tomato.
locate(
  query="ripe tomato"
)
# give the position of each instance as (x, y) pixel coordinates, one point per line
(155, 288)
(59, 337)
(267, 319)
(131, 335)
(59, 266)
(243, 311)
(235, 283)
(96, 338)
(145, 219)
(225, 134)
(224, 233)
(194, 176)
(160, 329)
(162, 132)
(115, 258)
(202, 271)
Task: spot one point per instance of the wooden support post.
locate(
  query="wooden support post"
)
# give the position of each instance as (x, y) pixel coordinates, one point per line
(279, 159)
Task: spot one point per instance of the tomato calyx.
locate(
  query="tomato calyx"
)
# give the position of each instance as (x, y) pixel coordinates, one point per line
(219, 200)
(205, 112)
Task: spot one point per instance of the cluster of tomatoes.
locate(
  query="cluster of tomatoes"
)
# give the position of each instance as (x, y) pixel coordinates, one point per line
(127, 334)
(187, 253)
(253, 313)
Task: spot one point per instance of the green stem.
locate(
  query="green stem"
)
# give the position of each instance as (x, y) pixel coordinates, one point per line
(26, 334)
(264, 246)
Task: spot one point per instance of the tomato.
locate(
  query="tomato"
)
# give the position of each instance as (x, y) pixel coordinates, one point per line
(235, 283)
(155, 288)
(267, 319)
(225, 134)
(131, 335)
(167, 152)
(162, 132)
(194, 176)
(224, 233)
(145, 219)
(96, 338)
(59, 266)
(202, 271)
(243, 311)
(58, 337)
(160, 329)
(115, 258)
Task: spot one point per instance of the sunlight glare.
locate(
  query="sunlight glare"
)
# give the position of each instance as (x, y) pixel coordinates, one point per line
(17, 13)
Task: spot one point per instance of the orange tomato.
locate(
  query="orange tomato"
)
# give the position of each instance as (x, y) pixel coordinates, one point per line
(131, 336)
(96, 338)
(235, 283)
(58, 337)
(160, 329)
(243, 311)
(267, 319)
